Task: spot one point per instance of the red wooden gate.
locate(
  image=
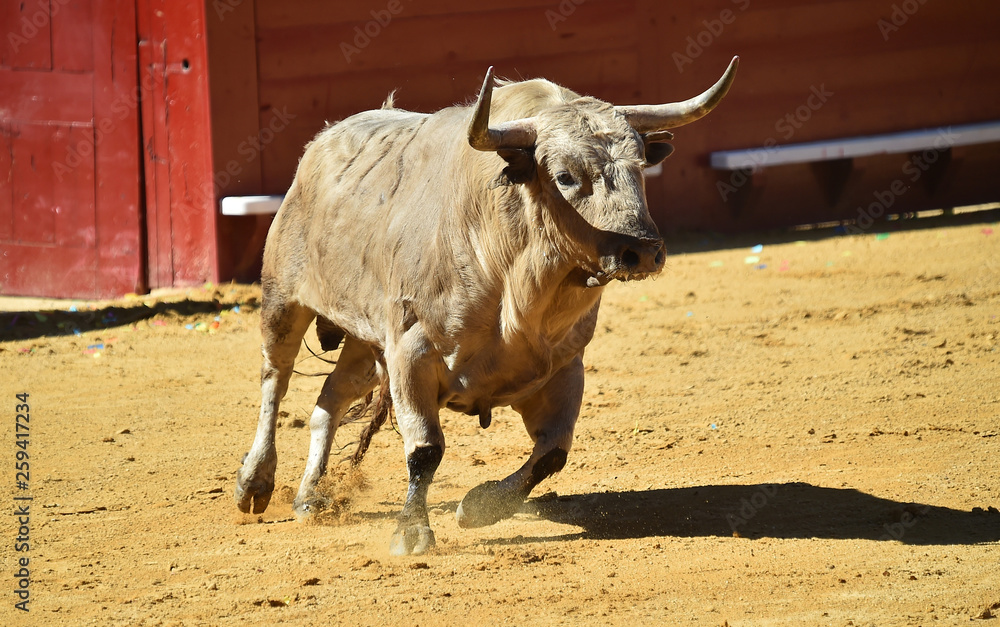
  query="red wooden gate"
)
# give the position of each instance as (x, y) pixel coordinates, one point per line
(69, 149)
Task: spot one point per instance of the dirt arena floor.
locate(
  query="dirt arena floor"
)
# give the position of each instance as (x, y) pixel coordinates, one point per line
(804, 435)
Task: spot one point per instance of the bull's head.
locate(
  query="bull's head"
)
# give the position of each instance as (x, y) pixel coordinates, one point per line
(588, 155)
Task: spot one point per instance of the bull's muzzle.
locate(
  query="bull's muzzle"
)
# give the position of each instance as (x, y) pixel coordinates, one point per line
(630, 259)
(642, 256)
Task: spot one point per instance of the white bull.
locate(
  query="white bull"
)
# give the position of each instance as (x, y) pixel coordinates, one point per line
(460, 256)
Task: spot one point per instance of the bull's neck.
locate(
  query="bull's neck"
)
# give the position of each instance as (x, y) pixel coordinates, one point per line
(530, 269)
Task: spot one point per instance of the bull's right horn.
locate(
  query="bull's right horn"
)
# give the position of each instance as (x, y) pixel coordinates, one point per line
(514, 134)
(650, 118)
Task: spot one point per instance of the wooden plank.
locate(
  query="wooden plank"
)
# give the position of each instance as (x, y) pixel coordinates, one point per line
(7, 175)
(54, 195)
(159, 257)
(317, 51)
(610, 75)
(73, 188)
(34, 147)
(194, 207)
(117, 193)
(72, 41)
(762, 109)
(48, 271)
(283, 14)
(52, 96)
(232, 59)
(236, 123)
(27, 36)
(181, 204)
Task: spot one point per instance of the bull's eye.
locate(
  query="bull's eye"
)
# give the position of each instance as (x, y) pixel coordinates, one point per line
(565, 179)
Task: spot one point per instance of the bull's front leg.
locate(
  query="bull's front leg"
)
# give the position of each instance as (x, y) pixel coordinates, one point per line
(414, 383)
(282, 325)
(549, 416)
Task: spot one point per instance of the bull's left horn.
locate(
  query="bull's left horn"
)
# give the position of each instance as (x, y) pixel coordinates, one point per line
(649, 118)
(515, 134)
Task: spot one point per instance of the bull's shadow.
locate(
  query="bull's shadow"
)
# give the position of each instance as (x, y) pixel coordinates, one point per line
(791, 510)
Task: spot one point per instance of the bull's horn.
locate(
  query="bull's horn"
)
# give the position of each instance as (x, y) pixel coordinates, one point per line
(649, 118)
(515, 134)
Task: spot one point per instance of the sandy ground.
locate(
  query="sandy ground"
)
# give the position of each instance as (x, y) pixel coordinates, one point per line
(812, 442)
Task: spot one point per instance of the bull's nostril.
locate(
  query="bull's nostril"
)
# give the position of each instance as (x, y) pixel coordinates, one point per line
(630, 258)
(660, 256)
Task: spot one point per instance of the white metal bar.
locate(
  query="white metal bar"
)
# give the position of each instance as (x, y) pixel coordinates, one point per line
(250, 205)
(892, 143)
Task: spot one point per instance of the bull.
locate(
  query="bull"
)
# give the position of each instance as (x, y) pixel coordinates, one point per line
(458, 260)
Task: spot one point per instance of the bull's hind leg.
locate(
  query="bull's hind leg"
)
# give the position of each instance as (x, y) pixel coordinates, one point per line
(549, 416)
(352, 377)
(283, 325)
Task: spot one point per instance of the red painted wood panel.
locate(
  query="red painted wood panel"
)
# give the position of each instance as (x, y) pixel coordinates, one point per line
(58, 97)
(118, 166)
(72, 36)
(154, 140)
(180, 199)
(27, 35)
(442, 39)
(7, 179)
(71, 227)
(283, 14)
(53, 196)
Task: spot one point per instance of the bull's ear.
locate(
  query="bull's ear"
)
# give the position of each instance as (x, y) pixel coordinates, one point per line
(520, 165)
(656, 147)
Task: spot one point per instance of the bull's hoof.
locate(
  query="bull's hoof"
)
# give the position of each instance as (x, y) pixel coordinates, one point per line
(255, 480)
(310, 506)
(487, 504)
(252, 494)
(411, 540)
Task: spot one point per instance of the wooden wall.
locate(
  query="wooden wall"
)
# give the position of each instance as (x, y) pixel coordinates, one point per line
(888, 66)
(70, 219)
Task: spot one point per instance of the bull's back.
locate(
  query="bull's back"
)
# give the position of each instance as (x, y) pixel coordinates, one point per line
(367, 200)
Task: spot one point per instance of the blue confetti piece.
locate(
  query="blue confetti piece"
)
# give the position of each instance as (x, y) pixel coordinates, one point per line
(189, 327)
(713, 426)
(236, 309)
(757, 248)
(689, 314)
(95, 347)
(72, 308)
(762, 266)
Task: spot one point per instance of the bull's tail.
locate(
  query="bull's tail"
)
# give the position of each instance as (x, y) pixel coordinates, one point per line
(380, 407)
